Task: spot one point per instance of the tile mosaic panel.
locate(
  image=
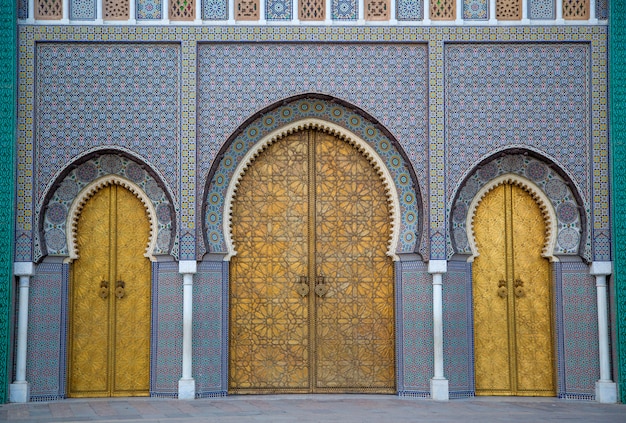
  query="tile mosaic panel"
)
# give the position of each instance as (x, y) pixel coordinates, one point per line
(458, 346)
(82, 9)
(416, 315)
(571, 232)
(279, 9)
(208, 317)
(166, 352)
(45, 356)
(114, 95)
(541, 9)
(276, 71)
(54, 226)
(475, 9)
(214, 9)
(22, 9)
(410, 201)
(581, 364)
(149, 9)
(344, 9)
(602, 9)
(409, 10)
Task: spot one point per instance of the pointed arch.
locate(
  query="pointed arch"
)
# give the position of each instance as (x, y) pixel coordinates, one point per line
(333, 129)
(548, 212)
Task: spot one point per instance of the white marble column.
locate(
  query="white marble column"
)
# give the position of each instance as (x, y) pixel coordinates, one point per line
(186, 384)
(438, 384)
(19, 391)
(606, 389)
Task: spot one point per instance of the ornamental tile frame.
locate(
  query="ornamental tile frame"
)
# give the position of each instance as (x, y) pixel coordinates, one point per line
(188, 37)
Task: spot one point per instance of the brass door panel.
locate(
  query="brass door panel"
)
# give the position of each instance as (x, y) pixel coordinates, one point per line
(109, 340)
(513, 335)
(311, 287)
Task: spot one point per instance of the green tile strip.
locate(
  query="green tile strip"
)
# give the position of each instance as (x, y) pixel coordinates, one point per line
(8, 37)
(617, 95)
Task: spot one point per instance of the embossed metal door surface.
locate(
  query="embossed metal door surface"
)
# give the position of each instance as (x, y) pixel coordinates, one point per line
(513, 323)
(311, 291)
(109, 339)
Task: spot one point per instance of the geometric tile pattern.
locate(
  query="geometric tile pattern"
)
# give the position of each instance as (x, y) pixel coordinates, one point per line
(82, 9)
(22, 9)
(475, 9)
(65, 192)
(580, 359)
(541, 9)
(617, 77)
(215, 9)
(166, 352)
(149, 9)
(409, 10)
(602, 9)
(415, 312)
(557, 189)
(458, 346)
(8, 104)
(45, 359)
(208, 315)
(344, 9)
(279, 10)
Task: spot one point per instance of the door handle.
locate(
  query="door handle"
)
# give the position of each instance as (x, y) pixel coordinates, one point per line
(104, 289)
(502, 288)
(119, 289)
(320, 286)
(302, 287)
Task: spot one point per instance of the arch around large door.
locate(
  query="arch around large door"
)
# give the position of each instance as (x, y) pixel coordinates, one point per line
(347, 122)
(540, 198)
(341, 133)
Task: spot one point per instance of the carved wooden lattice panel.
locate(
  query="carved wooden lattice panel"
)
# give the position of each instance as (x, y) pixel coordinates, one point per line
(115, 10)
(247, 10)
(49, 9)
(110, 328)
(311, 287)
(575, 9)
(182, 10)
(377, 10)
(509, 10)
(443, 10)
(514, 351)
(312, 10)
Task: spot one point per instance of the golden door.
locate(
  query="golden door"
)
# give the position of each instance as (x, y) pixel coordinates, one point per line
(311, 286)
(513, 329)
(109, 339)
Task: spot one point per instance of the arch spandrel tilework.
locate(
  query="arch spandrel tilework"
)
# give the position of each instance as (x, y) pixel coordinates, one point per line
(407, 189)
(572, 237)
(55, 211)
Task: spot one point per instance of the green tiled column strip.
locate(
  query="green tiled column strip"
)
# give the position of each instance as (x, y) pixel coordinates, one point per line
(617, 95)
(8, 36)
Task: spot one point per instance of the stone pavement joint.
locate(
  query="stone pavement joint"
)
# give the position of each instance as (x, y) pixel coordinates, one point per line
(313, 408)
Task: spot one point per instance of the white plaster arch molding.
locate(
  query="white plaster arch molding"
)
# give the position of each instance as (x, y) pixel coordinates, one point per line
(544, 203)
(89, 191)
(333, 129)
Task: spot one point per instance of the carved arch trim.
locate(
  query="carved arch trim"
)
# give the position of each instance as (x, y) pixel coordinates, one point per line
(88, 192)
(544, 203)
(342, 133)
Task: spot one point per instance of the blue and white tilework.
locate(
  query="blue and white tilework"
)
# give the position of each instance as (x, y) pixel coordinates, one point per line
(409, 10)
(475, 9)
(344, 9)
(83, 9)
(541, 9)
(279, 9)
(149, 9)
(215, 10)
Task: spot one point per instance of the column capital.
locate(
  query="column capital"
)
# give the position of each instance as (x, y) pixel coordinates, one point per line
(187, 267)
(600, 268)
(23, 268)
(437, 266)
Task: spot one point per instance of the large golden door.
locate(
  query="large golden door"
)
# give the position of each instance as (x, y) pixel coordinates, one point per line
(514, 351)
(311, 286)
(109, 339)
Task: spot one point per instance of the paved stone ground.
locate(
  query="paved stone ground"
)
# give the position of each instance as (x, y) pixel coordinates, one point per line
(314, 408)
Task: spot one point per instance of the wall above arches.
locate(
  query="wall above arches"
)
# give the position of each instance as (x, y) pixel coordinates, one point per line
(338, 117)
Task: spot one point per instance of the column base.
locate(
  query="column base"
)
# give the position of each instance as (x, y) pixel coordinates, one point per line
(606, 392)
(186, 389)
(19, 392)
(439, 390)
